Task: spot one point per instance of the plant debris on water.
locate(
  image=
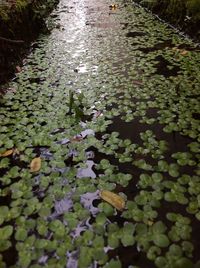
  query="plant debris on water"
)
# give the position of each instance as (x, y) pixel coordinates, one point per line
(99, 167)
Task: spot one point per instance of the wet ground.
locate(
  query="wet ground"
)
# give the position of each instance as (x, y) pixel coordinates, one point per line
(108, 101)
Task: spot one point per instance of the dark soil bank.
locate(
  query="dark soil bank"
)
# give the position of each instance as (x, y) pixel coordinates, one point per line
(185, 14)
(20, 23)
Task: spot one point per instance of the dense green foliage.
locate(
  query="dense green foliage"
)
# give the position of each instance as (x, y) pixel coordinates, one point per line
(40, 8)
(108, 101)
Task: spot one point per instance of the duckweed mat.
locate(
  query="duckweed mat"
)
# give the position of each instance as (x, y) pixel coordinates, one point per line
(99, 144)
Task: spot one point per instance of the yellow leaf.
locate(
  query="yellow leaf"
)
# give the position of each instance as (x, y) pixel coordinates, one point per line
(35, 164)
(113, 6)
(7, 153)
(115, 200)
(184, 52)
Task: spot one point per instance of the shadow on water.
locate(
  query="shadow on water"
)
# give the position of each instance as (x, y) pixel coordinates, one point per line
(135, 34)
(10, 256)
(165, 68)
(158, 46)
(132, 131)
(129, 256)
(175, 207)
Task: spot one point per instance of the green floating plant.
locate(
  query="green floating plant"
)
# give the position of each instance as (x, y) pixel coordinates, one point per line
(141, 103)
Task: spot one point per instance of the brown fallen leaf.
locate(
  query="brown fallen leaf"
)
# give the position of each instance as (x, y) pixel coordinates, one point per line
(18, 69)
(182, 52)
(115, 200)
(7, 153)
(35, 164)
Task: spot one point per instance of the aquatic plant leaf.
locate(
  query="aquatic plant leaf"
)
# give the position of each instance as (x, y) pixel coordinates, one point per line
(183, 263)
(187, 248)
(113, 240)
(161, 240)
(21, 234)
(6, 232)
(113, 264)
(35, 164)
(161, 262)
(127, 240)
(175, 250)
(106, 208)
(159, 227)
(115, 200)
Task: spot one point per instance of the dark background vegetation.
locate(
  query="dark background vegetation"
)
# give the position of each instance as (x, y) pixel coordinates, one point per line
(20, 23)
(183, 14)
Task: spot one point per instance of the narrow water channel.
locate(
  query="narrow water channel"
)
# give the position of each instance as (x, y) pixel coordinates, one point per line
(109, 101)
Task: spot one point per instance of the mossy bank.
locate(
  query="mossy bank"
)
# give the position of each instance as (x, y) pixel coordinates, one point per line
(183, 14)
(20, 23)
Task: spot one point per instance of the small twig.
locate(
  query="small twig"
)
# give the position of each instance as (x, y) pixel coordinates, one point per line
(11, 41)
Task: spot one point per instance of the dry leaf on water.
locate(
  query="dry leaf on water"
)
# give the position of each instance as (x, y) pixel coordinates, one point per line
(115, 200)
(18, 69)
(35, 164)
(184, 52)
(113, 6)
(7, 153)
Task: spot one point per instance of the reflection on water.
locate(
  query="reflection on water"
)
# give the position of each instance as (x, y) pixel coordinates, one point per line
(87, 172)
(87, 201)
(62, 206)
